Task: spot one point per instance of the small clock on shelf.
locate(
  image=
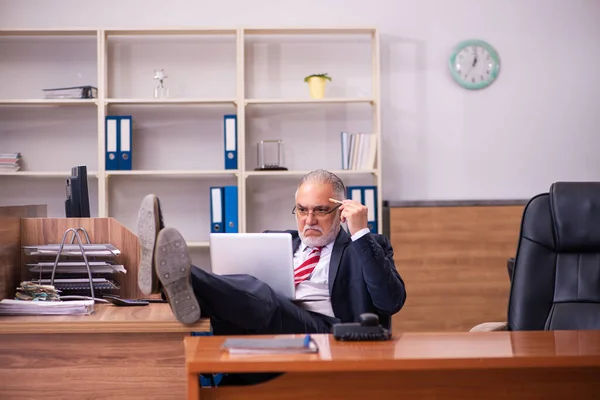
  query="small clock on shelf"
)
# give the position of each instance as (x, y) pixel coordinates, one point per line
(474, 64)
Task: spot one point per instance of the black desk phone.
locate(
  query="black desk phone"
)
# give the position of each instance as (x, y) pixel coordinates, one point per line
(368, 329)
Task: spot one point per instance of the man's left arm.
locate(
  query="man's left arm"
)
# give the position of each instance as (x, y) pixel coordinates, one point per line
(376, 257)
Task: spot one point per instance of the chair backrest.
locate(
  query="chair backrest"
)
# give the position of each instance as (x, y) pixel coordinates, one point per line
(556, 277)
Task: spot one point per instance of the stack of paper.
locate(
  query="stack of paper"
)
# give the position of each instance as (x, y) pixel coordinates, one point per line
(70, 249)
(10, 161)
(23, 307)
(77, 267)
(32, 291)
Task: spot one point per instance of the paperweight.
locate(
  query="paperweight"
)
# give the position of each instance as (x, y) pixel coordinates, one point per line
(270, 155)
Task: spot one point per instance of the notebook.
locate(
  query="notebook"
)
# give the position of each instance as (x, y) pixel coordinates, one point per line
(298, 345)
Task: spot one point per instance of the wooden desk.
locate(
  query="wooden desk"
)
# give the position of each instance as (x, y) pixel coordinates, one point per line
(116, 353)
(107, 318)
(492, 365)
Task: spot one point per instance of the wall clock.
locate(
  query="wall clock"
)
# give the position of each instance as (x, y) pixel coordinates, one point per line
(474, 64)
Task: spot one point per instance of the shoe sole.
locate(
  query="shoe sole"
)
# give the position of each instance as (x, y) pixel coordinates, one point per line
(147, 230)
(173, 266)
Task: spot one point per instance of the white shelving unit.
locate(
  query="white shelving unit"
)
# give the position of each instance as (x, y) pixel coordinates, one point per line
(177, 148)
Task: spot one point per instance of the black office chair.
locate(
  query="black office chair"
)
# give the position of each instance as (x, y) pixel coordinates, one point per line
(555, 281)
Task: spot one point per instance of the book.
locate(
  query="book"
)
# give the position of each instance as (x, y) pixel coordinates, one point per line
(298, 345)
(75, 92)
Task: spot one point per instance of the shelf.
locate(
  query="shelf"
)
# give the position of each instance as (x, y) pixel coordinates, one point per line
(48, 32)
(47, 102)
(311, 101)
(44, 174)
(182, 173)
(309, 31)
(169, 101)
(170, 32)
(215, 71)
(301, 172)
(198, 245)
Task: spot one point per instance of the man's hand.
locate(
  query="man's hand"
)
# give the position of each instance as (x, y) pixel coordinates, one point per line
(355, 214)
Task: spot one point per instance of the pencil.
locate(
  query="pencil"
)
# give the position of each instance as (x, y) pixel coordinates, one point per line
(335, 201)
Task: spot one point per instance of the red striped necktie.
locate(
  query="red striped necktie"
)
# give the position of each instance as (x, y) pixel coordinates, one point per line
(308, 266)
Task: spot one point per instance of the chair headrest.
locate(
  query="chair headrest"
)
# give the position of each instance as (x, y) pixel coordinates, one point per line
(575, 208)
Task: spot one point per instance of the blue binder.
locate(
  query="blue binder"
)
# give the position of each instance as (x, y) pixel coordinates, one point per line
(111, 129)
(367, 196)
(216, 209)
(230, 141)
(125, 162)
(230, 209)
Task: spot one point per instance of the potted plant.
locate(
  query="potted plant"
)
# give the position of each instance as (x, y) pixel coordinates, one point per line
(316, 85)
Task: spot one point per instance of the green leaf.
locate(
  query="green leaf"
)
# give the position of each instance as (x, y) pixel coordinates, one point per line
(324, 76)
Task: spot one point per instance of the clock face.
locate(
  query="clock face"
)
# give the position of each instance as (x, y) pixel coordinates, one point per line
(474, 64)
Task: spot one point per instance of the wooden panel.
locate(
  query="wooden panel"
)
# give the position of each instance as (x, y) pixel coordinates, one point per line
(30, 211)
(10, 245)
(106, 318)
(92, 366)
(530, 384)
(51, 230)
(10, 256)
(129, 245)
(453, 261)
(100, 230)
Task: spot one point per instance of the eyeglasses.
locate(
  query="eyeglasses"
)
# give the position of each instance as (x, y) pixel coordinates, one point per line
(317, 212)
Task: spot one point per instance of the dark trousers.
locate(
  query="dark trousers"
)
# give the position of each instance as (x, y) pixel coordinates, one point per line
(242, 304)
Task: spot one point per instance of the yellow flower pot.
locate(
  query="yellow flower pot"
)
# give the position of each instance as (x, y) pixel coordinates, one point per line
(316, 87)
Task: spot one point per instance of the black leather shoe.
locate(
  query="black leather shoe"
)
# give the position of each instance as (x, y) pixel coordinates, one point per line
(173, 266)
(149, 223)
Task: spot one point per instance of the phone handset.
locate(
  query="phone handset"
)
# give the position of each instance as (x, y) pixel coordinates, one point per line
(367, 329)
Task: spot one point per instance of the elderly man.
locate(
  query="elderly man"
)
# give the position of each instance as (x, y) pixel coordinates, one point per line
(339, 274)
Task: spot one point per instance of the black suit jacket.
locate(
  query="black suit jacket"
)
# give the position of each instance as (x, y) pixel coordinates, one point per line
(362, 277)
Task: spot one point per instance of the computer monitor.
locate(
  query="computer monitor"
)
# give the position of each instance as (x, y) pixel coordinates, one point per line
(77, 204)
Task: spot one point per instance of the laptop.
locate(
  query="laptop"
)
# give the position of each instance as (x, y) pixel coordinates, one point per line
(266, 256)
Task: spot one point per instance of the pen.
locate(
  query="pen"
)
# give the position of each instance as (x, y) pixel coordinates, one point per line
(306, 340)
(335, 201)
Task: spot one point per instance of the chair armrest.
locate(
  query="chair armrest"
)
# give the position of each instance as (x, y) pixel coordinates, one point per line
(490, 327)
(510, 266)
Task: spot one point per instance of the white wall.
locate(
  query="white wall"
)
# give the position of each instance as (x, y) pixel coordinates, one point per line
(537, 124)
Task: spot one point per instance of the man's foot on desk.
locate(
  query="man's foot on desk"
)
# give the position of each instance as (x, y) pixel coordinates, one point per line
(149, 223)
(173, 265)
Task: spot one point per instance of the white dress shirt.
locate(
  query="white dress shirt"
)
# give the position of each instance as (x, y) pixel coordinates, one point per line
(313, 293)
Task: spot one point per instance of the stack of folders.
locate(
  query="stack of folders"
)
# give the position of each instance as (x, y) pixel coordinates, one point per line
(359, 150)
(224, 209)
(230, 140)
(74, 92)
(118, 142)
(10, 162)
(24, 307)
(275, 345)
(367, 196)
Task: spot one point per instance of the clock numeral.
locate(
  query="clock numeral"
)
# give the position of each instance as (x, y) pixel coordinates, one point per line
(473, 79)
(481, 78)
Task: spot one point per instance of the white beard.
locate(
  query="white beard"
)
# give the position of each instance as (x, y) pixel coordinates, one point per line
(319, 241)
